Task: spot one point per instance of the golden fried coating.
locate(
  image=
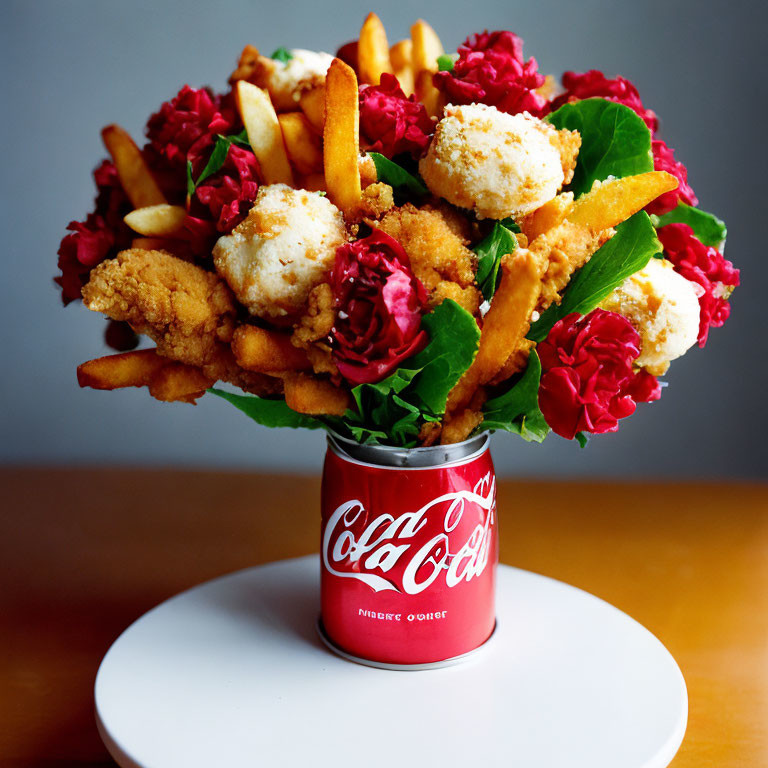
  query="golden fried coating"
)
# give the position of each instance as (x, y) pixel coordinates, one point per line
(188, 312)
(377, 199)
(435, 239)
(560, 252)
(460, 426)
(312, 330)
(567, 144)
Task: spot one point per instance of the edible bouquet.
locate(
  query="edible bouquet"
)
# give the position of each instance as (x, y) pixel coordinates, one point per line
(401, 245)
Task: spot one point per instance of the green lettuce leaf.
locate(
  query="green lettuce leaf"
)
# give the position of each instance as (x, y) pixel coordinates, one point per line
(393, 409)
(282, 54)
(517, 410)
(706, 226)
(446, 61)
(269, 413)
(218, 156)
(489, 252)
(627, 252)
(614, 141)
(397, 177)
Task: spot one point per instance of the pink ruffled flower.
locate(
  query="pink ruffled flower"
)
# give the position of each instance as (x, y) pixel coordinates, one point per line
(664, 160)
(391, 122)
(194, 114)
(714, 276)
(380, 304)
(100, 236)
(588, 382)
(491, 70)
(594, 84)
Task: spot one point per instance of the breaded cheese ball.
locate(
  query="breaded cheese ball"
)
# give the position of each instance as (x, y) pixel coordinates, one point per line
(286, 80)
(284, 247)
(664, 309)
(494, 163)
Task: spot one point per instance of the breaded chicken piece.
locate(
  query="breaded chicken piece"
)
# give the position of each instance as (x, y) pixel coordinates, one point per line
(188, 312)
(435, 239)
(560, 252)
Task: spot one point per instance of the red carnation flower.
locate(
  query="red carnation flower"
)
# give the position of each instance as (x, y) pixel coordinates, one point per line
(594, 84)
(380, 303)
(491, 70)
(192, 115)
(101, 235)
(587, 381)
(229, 194)
(664, 160)
(391, 122)
(714, 276)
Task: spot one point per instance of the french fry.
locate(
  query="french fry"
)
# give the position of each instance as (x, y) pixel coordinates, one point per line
(176, 382)
(315, 397)
(246, 65)
(128, 369)
(135, 177)
(160, 220)
(373, 51)
(548, 216)
(264, 134)
(341, 138)
(263, 351)
(400, 59)
(504, 327)
(426, 50)
(614, 201)
(312, 103)
(304, 146)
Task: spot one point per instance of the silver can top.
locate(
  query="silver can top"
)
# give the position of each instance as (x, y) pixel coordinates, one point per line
(392, 456)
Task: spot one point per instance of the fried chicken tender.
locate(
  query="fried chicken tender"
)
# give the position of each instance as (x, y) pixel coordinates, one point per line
(435, 239)
(188, 312)
(376, 200)
(560, 252)
(314, 327)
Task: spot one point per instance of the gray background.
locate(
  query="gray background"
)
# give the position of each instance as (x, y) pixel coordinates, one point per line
(70, 67)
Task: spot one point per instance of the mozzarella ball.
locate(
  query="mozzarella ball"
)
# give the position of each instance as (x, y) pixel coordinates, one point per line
(286, 80)
(664, 309)
(491, 162)
(285, 246)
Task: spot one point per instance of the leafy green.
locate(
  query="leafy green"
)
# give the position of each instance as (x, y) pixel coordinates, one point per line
(517, 410)
(582, 438)
(218, 157)
(397, 177)
(190, 180)
(614, 141)
(706, 226)
(269, 413)
(446, 61)
(489, 252)
(627, 252)
(510, 224)
(282, 54)
(393, 409)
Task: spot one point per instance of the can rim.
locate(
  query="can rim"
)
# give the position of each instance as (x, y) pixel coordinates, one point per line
(417, 667)
(423, 457)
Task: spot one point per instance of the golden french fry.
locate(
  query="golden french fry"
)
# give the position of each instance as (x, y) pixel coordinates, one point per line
(264, 134)
(504, 327)
(135, 177)
(372, 51)
(246, 65)
(315, 397)
(614, 201)
(304, 146)
(400, 58)
(341, 138)
(312, 103)
(127, 369)
(176, 382)
(257, 349)
(426, 50)
(548, 216)
(156, 220)
(459, 427)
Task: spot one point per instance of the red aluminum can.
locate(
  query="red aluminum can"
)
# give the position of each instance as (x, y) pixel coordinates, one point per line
(409, 549)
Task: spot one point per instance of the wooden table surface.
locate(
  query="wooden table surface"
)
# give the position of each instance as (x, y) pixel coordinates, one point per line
(83, 553)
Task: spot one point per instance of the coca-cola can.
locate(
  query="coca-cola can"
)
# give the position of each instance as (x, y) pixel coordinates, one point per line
(409, 548)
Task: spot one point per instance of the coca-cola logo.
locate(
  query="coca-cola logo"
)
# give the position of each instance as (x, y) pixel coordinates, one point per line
(410, 552)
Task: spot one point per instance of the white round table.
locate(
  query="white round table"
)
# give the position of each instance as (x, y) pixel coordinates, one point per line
(232, 673)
